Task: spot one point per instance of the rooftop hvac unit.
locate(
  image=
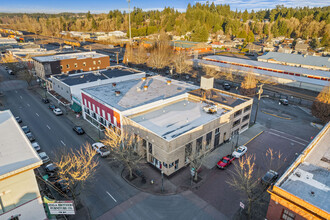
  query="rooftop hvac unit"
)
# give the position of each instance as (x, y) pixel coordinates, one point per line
(211, 109)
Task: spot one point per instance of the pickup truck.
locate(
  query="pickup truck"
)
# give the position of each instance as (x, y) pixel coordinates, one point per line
(225, 161)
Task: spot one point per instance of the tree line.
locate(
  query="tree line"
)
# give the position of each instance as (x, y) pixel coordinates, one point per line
(199, 19)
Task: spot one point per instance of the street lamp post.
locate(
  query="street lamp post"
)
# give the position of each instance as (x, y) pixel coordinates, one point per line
(259, 96)
(129, 21)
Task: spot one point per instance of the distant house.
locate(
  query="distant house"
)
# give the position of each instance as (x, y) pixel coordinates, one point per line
(254, 48)
(268, 47)
(239, 41)
(284, 49)
(288, 41)
(190, 46)
(216, 45)
(228, 43)
(118, 34)
(301, 48)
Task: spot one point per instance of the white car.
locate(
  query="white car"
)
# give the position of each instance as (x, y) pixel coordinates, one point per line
(58, 111)
(240, 151)
(36, 146)
(44, 157)
(101, 149)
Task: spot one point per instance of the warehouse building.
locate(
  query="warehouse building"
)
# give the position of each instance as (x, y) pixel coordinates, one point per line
(70, 63)
(303, 191)
(168, 116)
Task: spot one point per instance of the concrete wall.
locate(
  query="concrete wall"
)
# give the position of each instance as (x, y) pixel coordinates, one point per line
(20, 195)
(61, 88)
(276, 210)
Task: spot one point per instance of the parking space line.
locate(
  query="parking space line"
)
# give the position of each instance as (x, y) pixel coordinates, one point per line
(291, 135)
(28, 104)
(111, 196)
(37, 114)
(286, 138)
(21, 97)
(48, 127)
(63, 143)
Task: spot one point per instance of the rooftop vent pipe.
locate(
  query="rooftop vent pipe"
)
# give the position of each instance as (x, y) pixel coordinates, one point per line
(145, 88)
(144, 79)
(169, 82)
(114, 84)
(117, 93)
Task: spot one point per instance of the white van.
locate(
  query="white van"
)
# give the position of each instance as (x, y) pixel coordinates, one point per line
(10, 72)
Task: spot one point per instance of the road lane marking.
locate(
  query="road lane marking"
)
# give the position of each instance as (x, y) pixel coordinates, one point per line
(111, 196)
(28, 105)
(21, 97)
(63, 143)
(48, 127)
(286, 138)
(37, 114)
(287, 134)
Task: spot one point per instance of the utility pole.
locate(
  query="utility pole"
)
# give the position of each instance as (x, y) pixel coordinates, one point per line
(129, 21)
(117, 54)
(259, 96)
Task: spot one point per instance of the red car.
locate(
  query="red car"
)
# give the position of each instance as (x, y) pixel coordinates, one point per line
(225, 161)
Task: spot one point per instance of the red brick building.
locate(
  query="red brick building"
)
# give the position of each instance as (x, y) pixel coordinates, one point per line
(70, 63)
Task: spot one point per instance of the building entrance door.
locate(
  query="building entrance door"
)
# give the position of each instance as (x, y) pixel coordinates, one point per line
(216, 140)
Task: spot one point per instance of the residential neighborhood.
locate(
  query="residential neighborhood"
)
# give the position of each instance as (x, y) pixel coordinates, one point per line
(153, 110)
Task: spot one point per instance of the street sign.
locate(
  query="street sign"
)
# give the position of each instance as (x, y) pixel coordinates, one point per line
(241, 204)
(61, 208)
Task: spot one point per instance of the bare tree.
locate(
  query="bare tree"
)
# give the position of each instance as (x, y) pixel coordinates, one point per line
(25, 75)
(274, 160)
(196, 162)
(249, 85)
(180, 64)
(76, 168)
(321, 105)
(123, 148)
(161, 55)
(140, 55)
(128, 57)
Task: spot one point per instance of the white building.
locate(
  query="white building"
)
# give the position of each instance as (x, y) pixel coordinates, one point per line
(19, 193)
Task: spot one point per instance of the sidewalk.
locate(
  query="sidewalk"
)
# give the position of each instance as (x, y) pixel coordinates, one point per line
(181, 180)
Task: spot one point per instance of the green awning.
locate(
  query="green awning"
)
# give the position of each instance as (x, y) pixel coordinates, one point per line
(75, 107)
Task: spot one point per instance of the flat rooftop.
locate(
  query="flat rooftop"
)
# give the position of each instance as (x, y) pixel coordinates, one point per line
(310, 180)
(219, 96)
(16, 152)
(83, 55)
(80, 78)
(132, 93)
(172, 120)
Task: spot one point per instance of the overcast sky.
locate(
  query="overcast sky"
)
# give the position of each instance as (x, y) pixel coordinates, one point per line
(101, 6)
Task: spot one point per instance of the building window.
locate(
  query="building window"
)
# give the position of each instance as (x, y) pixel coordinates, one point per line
(61, 67)
(237, 122)
(188, 151)
(76, 65)
(171, 165)
(87, 110)
(94, 115)
(246, 117)
(94, 62)
(247, 108)
(217, 131)
(144, 143)
(165, 164)
(287, 215)
(176, 164)
(67, 66)
(208, 140)
(244, 126)
(99, 61)
(237, 113)
(199, 145)
(150, 147)
(84, 63)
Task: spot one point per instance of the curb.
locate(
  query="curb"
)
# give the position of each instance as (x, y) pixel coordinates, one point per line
(275, 115)
(254, 137)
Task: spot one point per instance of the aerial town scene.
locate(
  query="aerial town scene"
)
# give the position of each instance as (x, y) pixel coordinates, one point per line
(164, 110)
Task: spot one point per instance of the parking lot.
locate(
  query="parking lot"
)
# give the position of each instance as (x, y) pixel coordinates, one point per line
(216, 190)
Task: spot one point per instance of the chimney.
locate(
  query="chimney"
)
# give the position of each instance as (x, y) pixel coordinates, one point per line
(117, 93)
(144, 79)
(114, 84)
(207, 82)
(145, 88)
(169, 82)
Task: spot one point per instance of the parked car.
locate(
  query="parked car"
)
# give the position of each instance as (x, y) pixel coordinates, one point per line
(58, 111)
(10, 72)
(269, 178)
(44, 157)
(62, 185)
(26, 129)
(36, 146)
(283, 102)
(45, 100)
(18, 119)
(78, 130)
(226, 86)
(51, 168)
(101, 149)
(30, 136)
(51, 107)
(225, 161)
(240, 151)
